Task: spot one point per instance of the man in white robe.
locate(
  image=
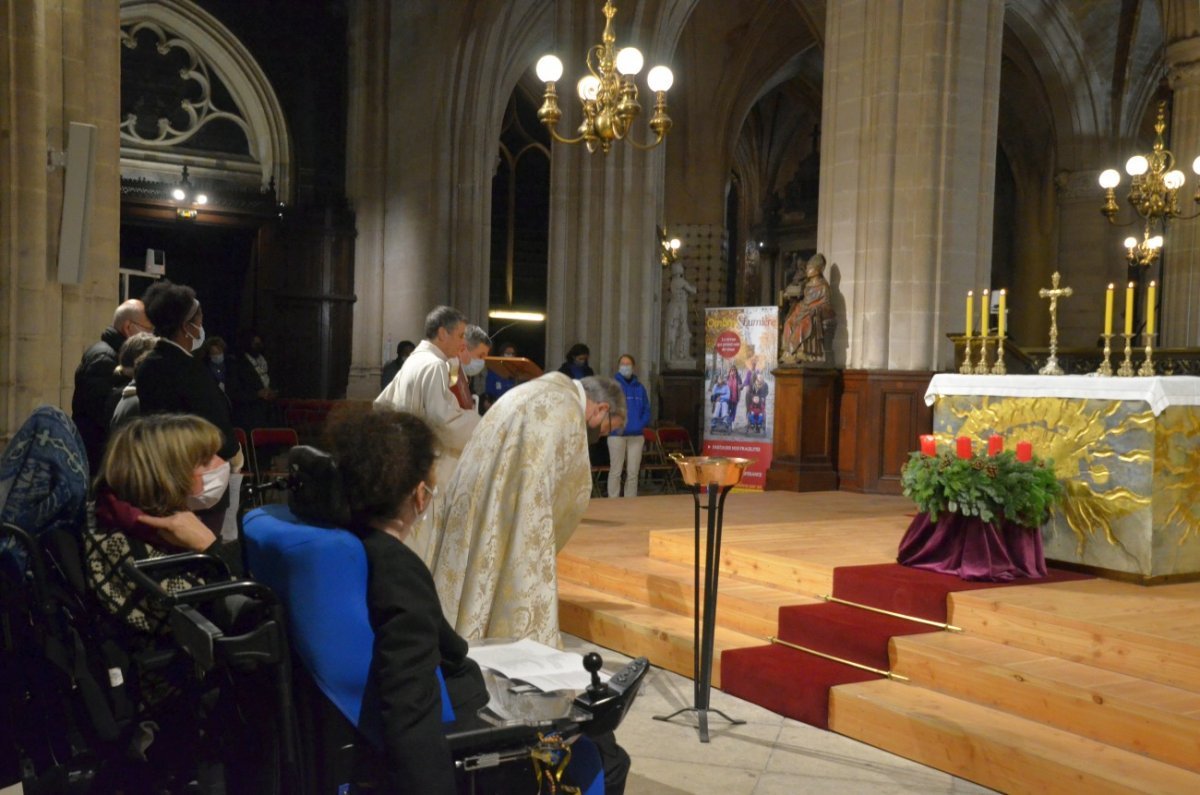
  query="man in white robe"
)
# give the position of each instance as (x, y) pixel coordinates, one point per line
(422, 387)
(518, 494)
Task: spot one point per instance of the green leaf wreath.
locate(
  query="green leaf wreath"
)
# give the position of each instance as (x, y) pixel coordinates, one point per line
(994, 488)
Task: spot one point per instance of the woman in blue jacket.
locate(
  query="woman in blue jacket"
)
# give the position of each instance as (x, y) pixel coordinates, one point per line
(625, 449)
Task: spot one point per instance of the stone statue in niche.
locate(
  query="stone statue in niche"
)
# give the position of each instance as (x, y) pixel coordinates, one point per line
(679, 335)
(810, 317)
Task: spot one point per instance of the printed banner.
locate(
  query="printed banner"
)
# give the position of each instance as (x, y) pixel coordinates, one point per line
(741, 349)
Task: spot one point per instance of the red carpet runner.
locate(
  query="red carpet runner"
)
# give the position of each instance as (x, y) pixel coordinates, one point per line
(796, 684)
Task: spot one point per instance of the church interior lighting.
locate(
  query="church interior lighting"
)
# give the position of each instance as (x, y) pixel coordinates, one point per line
(608, 93)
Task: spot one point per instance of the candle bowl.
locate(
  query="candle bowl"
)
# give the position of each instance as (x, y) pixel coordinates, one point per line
(704, 470)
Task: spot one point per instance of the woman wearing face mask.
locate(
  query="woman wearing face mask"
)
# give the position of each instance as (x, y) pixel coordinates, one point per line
(625, 446)
(172, 380)
(155, 473)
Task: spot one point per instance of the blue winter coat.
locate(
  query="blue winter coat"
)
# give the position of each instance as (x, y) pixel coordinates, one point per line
(637, 405)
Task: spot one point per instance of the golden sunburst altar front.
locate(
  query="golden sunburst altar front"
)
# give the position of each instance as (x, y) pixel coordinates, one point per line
(1127, 451)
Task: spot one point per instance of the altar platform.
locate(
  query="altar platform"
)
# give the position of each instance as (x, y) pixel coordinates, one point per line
(1088, 686)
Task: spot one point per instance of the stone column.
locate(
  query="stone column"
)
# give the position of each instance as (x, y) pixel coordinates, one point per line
(60, 64)
(1180, 320)
(910, 105)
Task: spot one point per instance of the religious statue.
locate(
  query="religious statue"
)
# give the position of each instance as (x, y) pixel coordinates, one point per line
(679, 336)
(810, 316)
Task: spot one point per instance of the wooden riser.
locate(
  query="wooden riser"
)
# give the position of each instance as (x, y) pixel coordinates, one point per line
(636, 630)
(741, 606)
(779, 571)
(994, 748)
(1154, 720)
(1151, 634)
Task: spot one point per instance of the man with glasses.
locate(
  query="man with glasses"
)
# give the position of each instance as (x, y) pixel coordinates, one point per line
(520, 489)
(95, 378)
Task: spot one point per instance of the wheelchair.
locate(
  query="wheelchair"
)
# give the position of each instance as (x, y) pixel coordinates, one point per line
(319, 573)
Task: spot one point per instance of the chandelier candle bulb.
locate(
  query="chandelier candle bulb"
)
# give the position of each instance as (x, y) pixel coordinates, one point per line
(1150, 310)
(1129, 309)
(1108, 305)
(1024, 452)
(1001, 321)
(984, 308)
(995, 444)
(970, 310)
(963, 447)
(928, 445)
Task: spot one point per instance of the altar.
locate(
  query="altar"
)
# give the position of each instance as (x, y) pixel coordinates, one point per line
(1127, 451)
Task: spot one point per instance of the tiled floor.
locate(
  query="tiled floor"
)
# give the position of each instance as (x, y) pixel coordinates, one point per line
(769, 755)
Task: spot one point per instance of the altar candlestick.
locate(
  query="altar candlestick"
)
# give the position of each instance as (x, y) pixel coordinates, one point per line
(1024, 452)
(1108, 303)
(1150, 310)
(970, 311)
(1129, 309)
(984, 312)
(1000, 323)
(928, 445)
(995, 444)
(963, 448)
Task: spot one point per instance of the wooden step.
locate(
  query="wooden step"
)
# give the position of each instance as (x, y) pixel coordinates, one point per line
(1155, 720)
(755, 565)
(637, 630)
(993, 748)
(1149, 633)
(742, 605)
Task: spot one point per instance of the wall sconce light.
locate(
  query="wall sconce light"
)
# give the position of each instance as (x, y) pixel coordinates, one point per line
(668, 247)
(184, 193)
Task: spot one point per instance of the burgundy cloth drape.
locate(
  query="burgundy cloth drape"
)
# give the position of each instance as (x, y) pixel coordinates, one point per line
(973, 549)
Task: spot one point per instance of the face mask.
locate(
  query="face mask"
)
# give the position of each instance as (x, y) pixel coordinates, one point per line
(626, 371)
(198, 340)
(473, 367)
(215, 482)
(217, 358)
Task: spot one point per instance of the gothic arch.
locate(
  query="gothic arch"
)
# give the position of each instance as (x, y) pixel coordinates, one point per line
(212, 50)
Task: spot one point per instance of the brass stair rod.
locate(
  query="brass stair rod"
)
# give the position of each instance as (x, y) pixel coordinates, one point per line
(843, 661)
(926, 621)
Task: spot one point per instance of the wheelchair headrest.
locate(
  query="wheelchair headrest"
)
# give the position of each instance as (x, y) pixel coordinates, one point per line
(316, 494)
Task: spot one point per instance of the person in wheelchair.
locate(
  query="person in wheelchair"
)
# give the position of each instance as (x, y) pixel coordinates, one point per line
(385, 459)
(155, 472)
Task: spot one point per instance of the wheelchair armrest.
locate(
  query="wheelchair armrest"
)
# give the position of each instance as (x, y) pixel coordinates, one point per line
(609, 702)
(200, 562)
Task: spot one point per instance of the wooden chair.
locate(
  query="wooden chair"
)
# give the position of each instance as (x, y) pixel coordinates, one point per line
(657, 470)
(247, 452)
(674, 439)
(268, 444)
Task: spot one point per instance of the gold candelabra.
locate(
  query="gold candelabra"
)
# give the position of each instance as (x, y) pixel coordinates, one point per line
(608, 93)
(1126, 368)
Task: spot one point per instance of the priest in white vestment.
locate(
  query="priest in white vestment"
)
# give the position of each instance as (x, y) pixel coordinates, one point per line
(422, 387)
(520, 489)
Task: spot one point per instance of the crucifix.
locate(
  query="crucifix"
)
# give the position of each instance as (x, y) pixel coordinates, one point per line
(1054, 293)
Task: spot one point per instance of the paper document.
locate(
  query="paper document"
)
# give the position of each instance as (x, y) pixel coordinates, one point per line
(535, 663)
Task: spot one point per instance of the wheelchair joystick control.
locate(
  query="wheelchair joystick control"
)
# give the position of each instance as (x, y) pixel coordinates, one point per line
(592, 663)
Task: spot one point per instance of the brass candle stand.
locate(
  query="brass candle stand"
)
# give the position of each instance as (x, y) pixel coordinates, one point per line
(1126, 368)
(998, 368)
(1105, 368)
(1147, 368)
(982, 367)
(966, 368)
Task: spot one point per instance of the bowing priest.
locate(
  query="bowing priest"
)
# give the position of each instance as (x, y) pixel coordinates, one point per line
(422, 387)
(519, 491)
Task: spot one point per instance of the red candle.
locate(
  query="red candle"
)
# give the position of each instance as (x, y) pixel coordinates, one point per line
(995, 444)
(1024, 451)
(964, 446)
(928, 445)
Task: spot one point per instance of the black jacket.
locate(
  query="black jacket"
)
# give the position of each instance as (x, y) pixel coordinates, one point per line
(94, 380)
(170, 380)
(412, 638)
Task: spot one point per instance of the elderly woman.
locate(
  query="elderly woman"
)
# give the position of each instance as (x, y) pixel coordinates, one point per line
(155, 472)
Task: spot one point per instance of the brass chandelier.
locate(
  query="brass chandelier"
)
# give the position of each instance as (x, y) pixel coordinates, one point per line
(608, 93)
(1153, 194)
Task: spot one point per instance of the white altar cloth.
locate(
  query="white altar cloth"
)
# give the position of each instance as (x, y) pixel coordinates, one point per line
(1158, 391)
